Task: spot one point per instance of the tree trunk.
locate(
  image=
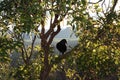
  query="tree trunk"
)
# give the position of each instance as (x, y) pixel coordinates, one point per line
(46, 67)
(45, 73)
(46, 40)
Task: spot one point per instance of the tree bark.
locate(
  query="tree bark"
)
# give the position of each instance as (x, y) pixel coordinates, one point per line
(46, 67)
(46, 40)
(45, 72)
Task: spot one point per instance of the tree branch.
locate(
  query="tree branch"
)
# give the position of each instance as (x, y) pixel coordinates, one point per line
(24, 48)
(52, 26)
(61, 57)
(111, 12)
(54, 34)
(94, 2)
(23, 57)
(43, 27)
(32, 46)
(114, 4)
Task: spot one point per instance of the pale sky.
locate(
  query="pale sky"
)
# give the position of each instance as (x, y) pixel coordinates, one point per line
(107, 3)
(104, 6)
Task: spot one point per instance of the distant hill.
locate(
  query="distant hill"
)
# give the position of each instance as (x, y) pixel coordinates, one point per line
(65, 33)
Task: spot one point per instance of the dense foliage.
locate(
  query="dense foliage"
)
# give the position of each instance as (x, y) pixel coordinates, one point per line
(96, 57)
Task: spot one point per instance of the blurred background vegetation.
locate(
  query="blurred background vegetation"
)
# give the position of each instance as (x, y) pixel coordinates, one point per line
(96, 24)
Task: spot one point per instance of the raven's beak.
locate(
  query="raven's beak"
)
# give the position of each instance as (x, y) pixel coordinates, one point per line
(66, 43)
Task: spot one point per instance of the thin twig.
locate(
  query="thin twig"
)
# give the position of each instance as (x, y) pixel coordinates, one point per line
(32, 46)
(94, 2)
(24, 49)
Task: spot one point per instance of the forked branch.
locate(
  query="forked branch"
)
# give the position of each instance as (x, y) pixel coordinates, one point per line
(53, 34)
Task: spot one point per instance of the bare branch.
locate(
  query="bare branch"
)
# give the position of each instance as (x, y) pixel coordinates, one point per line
(94, 2)
(52, 26)
(54, 34)
(32, 46)
(114, 4)
(111, 12)
(43, 27)
(24, 48)
(23, 57)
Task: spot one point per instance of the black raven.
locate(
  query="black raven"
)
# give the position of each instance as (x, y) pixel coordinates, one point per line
(61, 46)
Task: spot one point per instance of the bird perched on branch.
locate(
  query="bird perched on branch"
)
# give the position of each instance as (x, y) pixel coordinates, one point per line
(61, 46)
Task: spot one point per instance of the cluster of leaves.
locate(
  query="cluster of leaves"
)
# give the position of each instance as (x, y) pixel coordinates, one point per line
(98, 61)
(95, 57)
(98, 53)
(6, 46)
(24, 14)
(25, 17)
